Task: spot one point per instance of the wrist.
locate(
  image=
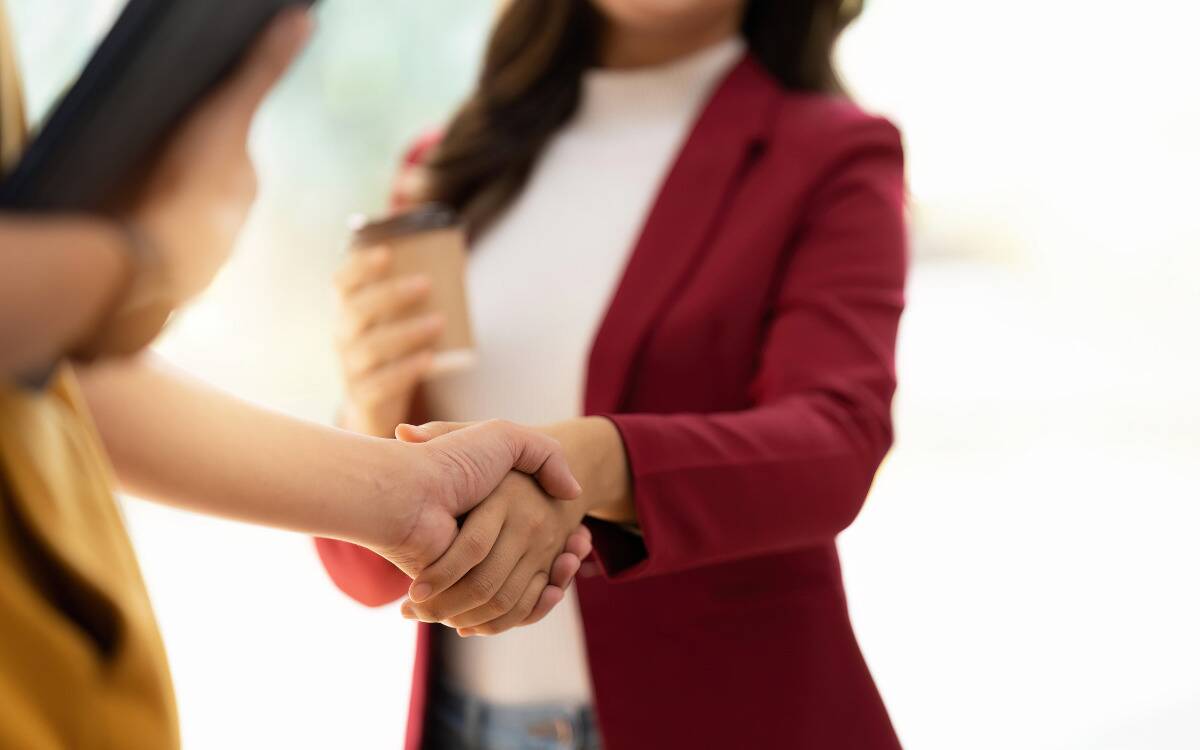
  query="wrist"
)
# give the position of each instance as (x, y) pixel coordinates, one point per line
(379, 482)
(109, 273)
(596, 454)
(139, 306)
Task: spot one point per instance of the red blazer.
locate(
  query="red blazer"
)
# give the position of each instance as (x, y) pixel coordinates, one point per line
(747, 359)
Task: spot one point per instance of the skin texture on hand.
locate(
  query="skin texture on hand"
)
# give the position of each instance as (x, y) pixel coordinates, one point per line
(508, 545)
(459, 470)
(482, 584)
(466, 450)
(384, 348)
(224, 457)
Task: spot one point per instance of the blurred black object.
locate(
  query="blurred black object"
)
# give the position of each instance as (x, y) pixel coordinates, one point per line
(158, 59)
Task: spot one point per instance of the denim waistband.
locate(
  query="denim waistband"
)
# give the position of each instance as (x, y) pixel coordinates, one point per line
(463, 722)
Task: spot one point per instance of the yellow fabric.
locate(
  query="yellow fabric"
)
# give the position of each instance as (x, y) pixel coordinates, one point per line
(83, 665)
(12, 104)
(81, 662)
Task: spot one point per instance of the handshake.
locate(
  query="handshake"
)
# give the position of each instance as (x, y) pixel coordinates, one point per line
(492, 537)
(520, 542)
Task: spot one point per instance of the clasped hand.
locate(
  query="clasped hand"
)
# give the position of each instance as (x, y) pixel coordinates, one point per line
(516, 551)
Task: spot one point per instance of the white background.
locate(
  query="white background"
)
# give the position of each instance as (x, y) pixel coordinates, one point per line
(1024, 573)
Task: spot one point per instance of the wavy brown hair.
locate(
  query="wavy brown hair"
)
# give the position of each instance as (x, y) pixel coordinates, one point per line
(530, 85)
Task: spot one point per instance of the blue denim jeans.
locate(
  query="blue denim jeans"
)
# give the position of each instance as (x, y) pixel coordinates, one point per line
(462, 722)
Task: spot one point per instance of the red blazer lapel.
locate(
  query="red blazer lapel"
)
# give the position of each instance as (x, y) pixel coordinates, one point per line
(677, 231)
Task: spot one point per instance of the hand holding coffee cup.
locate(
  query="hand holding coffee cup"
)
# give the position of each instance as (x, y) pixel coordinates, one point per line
(403, 314)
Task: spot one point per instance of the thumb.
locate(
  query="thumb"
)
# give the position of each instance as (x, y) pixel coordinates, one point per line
(265, 63)
(412, 434)
(491, 449)
(542, 457)
(428, 431)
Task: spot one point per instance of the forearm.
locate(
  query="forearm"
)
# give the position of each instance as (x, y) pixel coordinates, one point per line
(57, 279)
(176, 441)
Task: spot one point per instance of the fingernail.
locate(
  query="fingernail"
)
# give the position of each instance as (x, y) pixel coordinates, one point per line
(420, 592)
(420, 432)
(466, 632)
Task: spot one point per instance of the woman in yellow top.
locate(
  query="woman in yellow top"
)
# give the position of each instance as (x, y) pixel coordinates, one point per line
(81, 663)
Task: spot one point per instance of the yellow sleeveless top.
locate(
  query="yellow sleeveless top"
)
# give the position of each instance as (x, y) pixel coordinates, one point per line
(81, 661)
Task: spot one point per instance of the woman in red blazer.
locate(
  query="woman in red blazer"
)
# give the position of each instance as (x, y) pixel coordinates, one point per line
(738, 384)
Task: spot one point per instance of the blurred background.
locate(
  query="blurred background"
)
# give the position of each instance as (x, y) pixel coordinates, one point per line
(1020, 576)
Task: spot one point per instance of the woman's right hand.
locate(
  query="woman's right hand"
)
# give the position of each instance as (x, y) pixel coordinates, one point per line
(385, 345)
(198, 193)
(183, 218)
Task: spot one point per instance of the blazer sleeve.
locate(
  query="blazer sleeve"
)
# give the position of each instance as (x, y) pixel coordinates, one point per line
(361, 574)
(795, 469)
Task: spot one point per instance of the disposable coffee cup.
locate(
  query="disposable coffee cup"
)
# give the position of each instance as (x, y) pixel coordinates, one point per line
(428, 240)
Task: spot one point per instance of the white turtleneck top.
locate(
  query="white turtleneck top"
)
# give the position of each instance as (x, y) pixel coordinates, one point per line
(539, 282)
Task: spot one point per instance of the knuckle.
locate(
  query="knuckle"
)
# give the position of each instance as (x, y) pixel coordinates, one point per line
(537, 520)
(475, 546)
(522, 609)
(537, 524)
(502, 602)
(480, 588)
(525, 608)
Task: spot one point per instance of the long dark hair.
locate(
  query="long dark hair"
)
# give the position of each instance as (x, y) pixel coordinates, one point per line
(530, 83)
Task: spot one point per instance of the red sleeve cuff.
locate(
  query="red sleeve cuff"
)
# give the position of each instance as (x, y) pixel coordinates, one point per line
(361, 574)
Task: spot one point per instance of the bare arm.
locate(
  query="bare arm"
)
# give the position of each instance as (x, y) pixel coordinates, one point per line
(176, 441)
(58, 278)
(71, 284)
